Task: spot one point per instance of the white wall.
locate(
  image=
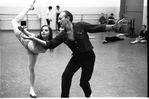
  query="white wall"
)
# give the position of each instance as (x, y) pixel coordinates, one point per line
(65, 3)
(74, 6)
(145, 12)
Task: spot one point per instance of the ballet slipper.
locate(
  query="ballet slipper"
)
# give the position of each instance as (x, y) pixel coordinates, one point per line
(34, 1)
(32, 96)
(91, 96)
(31, 7)
(32, 93)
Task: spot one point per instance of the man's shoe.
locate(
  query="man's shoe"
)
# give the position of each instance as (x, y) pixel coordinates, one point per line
(91, 96)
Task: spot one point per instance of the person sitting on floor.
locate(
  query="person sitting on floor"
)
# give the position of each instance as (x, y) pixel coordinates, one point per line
(111, 19)
(142, 38)
(102, 19)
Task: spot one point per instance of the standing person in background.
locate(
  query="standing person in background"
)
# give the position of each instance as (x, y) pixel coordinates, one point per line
(57, 14)
(111, 19)
(48, 15)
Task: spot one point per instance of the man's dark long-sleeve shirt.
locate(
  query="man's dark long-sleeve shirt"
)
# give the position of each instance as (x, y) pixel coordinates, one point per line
(81, 42)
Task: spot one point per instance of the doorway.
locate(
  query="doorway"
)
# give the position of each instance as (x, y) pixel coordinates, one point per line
(132, 10)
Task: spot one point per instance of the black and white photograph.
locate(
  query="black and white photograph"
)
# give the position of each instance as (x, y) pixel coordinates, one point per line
(73, 48)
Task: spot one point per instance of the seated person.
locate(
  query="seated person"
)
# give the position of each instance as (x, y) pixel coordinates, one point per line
(113, 38)
(142, 38)
(102, 19)
(111, 19)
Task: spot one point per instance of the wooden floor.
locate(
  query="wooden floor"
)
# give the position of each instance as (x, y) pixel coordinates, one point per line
(120, 69)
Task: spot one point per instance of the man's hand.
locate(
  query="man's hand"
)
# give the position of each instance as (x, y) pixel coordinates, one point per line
(121, 23)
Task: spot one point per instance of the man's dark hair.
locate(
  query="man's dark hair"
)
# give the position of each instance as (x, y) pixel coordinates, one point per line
(112, 14)
(68, 14)
(58, 6)
(50, 7)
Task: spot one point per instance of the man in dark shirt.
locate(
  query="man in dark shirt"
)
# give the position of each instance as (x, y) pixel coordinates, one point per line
(76, 38)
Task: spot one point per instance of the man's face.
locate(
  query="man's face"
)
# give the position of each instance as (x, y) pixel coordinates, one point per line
(62, 20)
(57, 8)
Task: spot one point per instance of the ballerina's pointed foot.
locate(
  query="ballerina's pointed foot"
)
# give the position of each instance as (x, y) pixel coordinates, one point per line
(31, 7)
(33, 96)
(32, 93)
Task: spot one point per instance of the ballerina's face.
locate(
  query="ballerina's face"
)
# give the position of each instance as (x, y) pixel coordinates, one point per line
(45, 32)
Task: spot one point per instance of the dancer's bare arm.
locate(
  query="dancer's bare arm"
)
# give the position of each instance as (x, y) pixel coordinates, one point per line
(42, 42)
(27, 33)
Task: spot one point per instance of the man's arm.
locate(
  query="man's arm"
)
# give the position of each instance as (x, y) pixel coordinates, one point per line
(48, 44)
(93, 28)
(110, 27)
(117, 25)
